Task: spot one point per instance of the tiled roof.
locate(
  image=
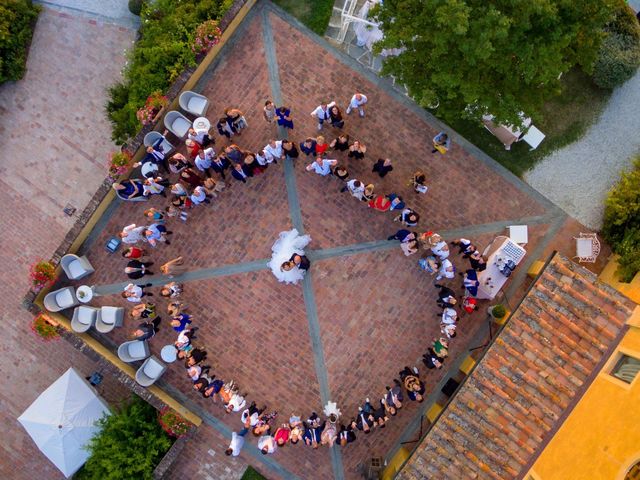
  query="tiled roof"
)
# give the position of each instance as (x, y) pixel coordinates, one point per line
(529, 376)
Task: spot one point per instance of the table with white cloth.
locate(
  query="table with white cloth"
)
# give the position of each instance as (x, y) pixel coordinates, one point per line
(501, 250)
(84, 293)
(202, 124)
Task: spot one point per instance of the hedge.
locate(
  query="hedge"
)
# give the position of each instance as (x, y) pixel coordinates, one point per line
(17, 20)
(158, 57)
(622, 222)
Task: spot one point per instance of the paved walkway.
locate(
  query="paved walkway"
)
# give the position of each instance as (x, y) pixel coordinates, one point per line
(54, 140)
(578, 177)
(364, 310)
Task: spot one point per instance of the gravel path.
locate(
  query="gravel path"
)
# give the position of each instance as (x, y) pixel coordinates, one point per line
(578, 177)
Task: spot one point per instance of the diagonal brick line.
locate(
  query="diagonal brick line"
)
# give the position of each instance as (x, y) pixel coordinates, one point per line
(296, 218)
(328, 253)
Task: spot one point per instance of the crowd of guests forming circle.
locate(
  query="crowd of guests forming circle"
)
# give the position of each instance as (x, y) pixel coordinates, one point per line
(202, 177)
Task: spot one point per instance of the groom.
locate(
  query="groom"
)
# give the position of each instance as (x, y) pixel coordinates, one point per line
(300, 261)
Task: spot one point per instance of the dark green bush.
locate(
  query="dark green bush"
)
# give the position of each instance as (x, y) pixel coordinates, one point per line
(622, 222)
(135, 6)
(130, 445)
(17, 19)
(162, 53)
(619, 55)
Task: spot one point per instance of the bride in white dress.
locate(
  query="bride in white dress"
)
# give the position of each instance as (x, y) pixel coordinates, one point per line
(287, 244)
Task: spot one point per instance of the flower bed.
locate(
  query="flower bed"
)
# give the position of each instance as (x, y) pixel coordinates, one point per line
(169, 42)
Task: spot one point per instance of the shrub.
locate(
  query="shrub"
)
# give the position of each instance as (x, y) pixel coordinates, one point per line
(498, 311)
(130, 444)
(621, 226)
(619, 55)
(135, 6)
(17, 19)
(167, 33)
(617, 61)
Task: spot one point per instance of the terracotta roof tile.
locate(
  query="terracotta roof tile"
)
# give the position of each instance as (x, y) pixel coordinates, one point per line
(541, 361)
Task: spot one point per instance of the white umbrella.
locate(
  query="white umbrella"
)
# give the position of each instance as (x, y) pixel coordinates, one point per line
(62, 420)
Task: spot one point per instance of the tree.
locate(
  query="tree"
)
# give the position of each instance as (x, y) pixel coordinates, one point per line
(501, 57)
(17, 19)
(130, 445)
(619, 55)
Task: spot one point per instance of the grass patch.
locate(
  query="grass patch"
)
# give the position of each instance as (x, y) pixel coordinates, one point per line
(564, 120)
(251, 474)
(315, 14)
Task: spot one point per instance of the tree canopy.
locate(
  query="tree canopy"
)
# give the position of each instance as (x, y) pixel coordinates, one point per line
(500, 56)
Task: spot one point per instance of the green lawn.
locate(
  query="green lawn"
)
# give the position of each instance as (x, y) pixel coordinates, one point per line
(315, 14)
(251, 474)
(564, 120)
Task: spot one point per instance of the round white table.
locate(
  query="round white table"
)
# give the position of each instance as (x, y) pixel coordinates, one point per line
(84, 293)
(169, 353)
(201, 124)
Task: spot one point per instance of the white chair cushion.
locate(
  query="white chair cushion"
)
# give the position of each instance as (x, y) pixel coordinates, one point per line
(584, 247)
(85, 316)
(181, 126)
(196, 104)
(136, 349)
(76, 269)
(64, 298)
(152, 369)
(108, 315)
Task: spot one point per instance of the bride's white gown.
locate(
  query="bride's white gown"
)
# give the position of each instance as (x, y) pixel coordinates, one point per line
(287, 244)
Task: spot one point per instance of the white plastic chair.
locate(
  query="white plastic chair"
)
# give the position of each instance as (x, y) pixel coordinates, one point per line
(76, 267)
(151, 138)
(133, 351)
(60, 299)
(587, 247)
(109, 318)
(150, 371)
(194, 103)
(177, 123)
(84, 318)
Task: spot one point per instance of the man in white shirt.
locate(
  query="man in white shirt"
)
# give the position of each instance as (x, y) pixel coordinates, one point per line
(236, 403)
(131, 234)
(237, 441)
(267, 444)
(446, 270)
(449, 316)
(134, 293)
(322, 113)
(199, 196)
(153, 186)
(203, 160)
(358, 102)
(322, 166)
(273, 151)
(355, 187)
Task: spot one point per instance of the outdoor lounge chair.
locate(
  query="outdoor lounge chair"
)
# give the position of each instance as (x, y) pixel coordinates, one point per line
(84, 318)
(194, 103)
(60, 299)
(177, 123)
(151, 138)
(587, 247)
(139, 198)
(76, 267)
(150, 371)
(109, 318)
(133, 351)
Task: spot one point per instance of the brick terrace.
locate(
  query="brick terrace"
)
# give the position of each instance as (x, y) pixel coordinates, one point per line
(376, 310)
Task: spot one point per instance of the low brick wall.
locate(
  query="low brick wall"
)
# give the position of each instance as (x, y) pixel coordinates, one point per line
(163, 467)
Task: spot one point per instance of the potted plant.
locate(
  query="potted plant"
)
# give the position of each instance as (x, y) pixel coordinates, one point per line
(119, 164)
(173, 423)
(45, 327)
(153, 107)
(42, 273)
(498, 311)
(207, 35)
